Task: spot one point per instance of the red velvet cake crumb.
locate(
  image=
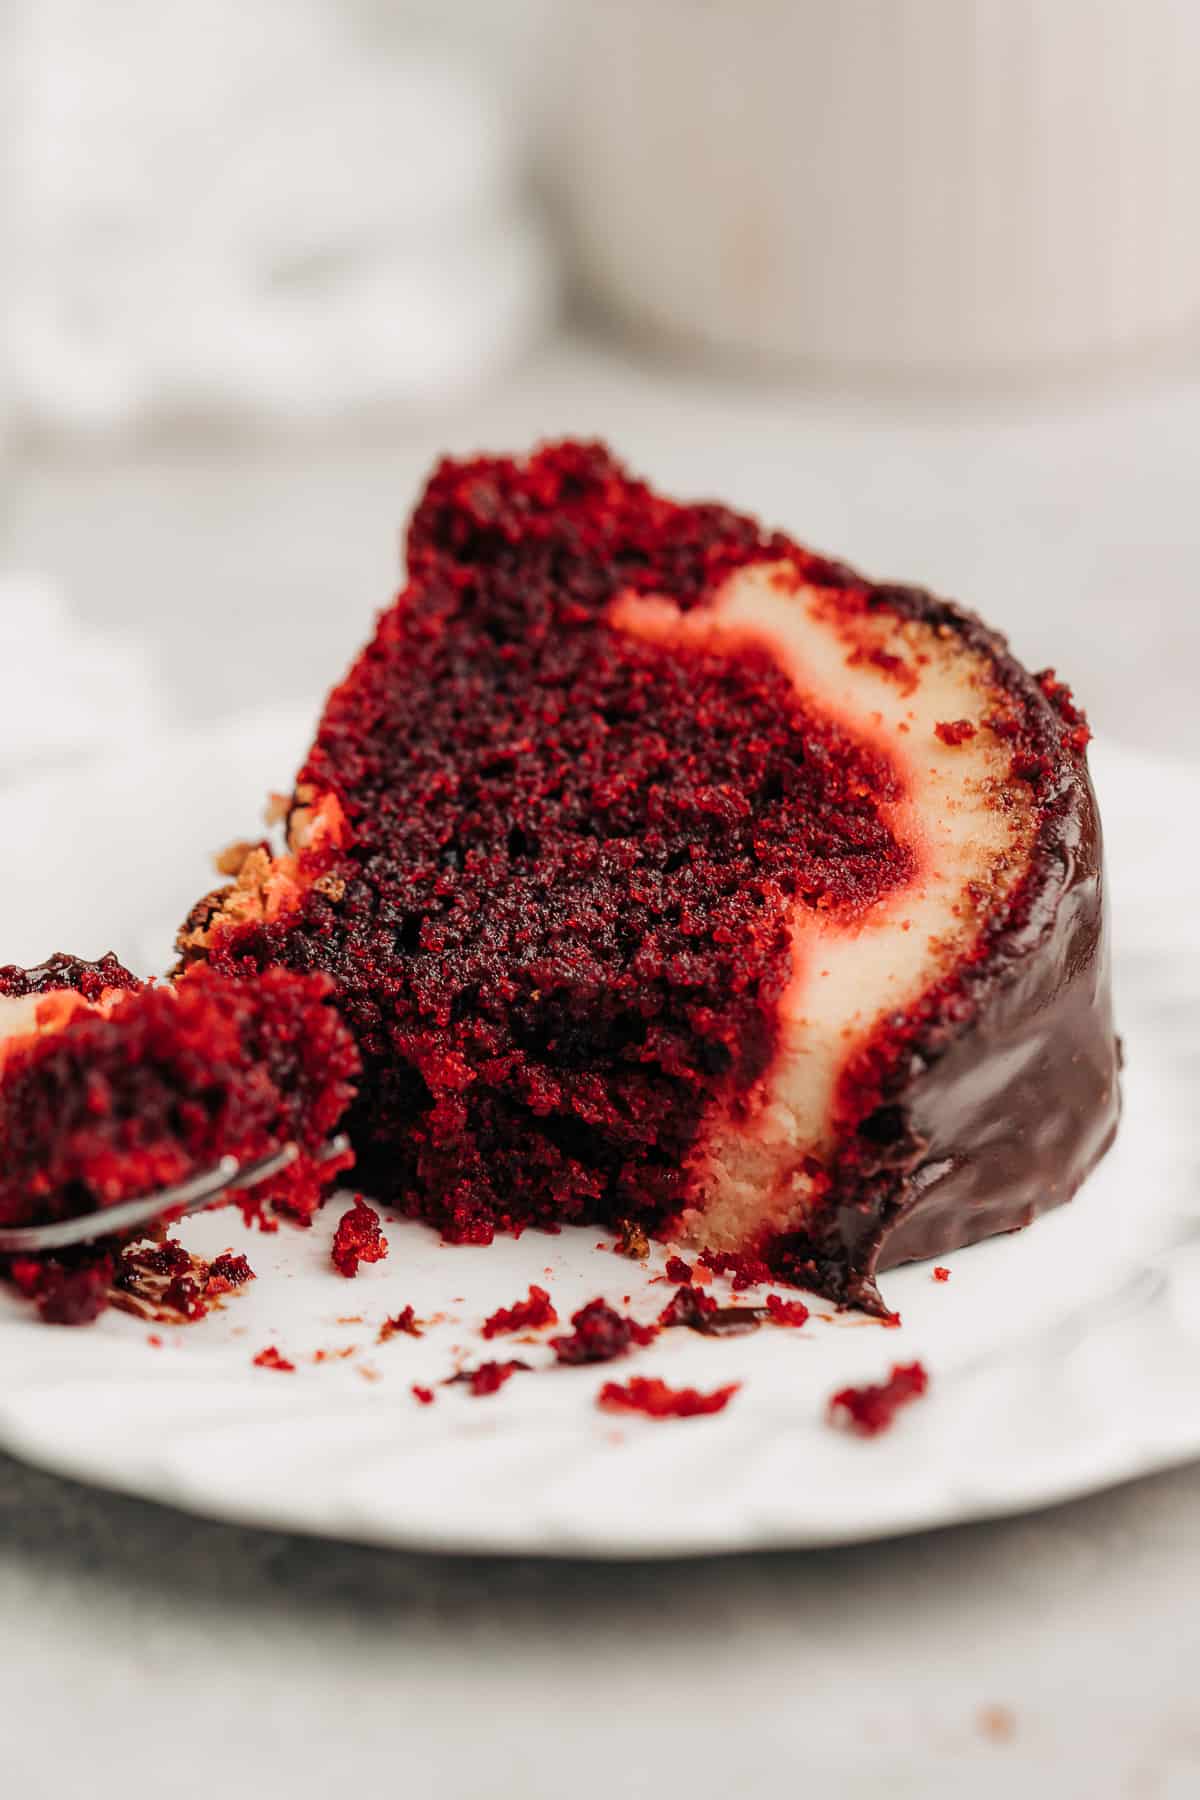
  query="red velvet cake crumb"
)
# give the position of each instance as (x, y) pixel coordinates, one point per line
(168, 1258)
(185, 1296)
(687, 1306)
(649, 1395)
(423, 1394)
(489, 1377)
(745, 1270)
(892, 666)
(71, 1295)
(940, 1274)
(870, 1410)
(574, 944)
(786, 1312)
(678, 1270)
(403, 1322)
(227, 1272)
(358, 1239)
(153, 1085)
(955, 731)
(524, 1315)
(600, 1334)
(26, 1274)
(271, 1358)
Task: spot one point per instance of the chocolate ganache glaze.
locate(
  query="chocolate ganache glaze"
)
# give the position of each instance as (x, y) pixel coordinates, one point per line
(1009, 1094)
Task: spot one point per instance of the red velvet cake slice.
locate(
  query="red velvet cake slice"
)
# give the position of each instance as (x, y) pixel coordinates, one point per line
(671, 873)
(111, 1089)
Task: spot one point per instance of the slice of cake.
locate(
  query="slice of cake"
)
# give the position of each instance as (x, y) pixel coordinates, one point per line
(670, 873)
(111, 1089)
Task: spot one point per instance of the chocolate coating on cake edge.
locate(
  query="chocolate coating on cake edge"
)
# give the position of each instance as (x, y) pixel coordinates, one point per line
(1001, 1116)
(1015, 1114)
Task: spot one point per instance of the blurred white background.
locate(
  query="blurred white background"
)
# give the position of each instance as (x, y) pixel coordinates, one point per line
(265, 259)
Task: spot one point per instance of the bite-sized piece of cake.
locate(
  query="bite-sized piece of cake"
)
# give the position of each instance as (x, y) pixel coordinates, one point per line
(671, 873)
(140, 1087)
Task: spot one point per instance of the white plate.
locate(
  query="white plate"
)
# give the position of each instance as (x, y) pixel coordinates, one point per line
(1062, 1359)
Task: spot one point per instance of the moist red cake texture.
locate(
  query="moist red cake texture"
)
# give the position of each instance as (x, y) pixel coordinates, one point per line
(404, 1323)
(600, 1334)
(551, 880)
(553, 868)
(869, 1410)
(357, 1239)
(107, 1102)
(649, 1395)
(488, 1378)
(530, 1314)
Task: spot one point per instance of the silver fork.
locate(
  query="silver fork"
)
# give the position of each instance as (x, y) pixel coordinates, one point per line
(188, 1196)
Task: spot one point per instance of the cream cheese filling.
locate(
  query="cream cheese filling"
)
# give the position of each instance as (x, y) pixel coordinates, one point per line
(969, 823)
(18, 1015)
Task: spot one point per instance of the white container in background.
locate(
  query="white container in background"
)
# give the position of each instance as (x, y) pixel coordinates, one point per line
(907, 184)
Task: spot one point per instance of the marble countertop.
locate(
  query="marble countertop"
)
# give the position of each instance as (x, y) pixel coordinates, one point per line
(1054, 1653)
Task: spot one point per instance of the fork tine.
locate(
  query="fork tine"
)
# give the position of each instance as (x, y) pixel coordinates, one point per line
(188, 1196)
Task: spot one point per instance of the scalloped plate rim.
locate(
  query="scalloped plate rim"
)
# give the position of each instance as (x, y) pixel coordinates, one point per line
(1128, 1446)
